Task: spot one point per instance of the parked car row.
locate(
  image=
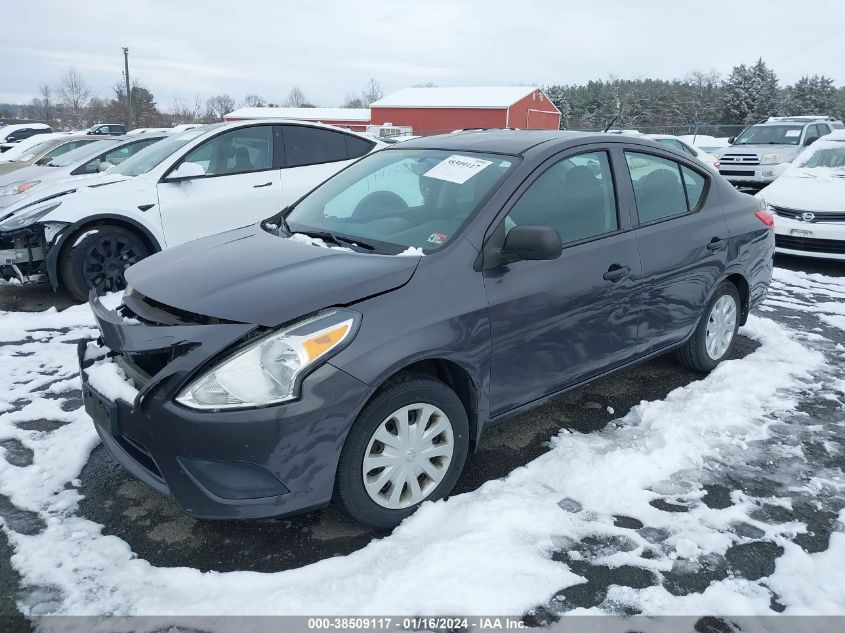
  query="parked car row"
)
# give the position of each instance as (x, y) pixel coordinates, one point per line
(81, 228)
(356, 344)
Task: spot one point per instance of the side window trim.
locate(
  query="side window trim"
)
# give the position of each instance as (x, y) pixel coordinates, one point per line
(681, 163)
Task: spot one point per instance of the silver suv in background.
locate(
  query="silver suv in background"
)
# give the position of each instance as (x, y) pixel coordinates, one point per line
(764, 151)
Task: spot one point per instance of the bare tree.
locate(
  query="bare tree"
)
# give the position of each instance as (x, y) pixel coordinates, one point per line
(253, 100)
(42, 107)
(353, 101)
(296, 98)
(371, 93)
(218, 106)
(186, 111)
(74, 95)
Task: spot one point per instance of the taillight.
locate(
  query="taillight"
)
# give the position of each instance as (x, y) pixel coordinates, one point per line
(766, 218)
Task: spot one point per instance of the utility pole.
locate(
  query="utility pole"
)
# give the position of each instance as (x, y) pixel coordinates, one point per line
(128, 90)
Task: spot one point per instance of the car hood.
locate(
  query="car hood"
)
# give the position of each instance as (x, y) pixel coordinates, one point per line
(807, 190)
(252, 276)
(9, 205)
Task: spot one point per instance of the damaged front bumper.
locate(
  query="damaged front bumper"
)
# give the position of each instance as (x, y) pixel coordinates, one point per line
(25, 254)
(231, 464)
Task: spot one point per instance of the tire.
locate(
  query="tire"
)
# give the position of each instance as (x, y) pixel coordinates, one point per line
(703, 352)
(96, 258)
(424, 399)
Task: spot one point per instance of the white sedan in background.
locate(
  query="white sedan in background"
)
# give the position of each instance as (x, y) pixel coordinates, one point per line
(190, 185)
(676, 143)
(809, 201)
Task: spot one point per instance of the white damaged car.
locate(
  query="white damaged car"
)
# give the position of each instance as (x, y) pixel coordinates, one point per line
(84, 235)
(809, 201)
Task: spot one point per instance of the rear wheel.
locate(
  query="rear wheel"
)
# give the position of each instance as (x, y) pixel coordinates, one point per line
(715, 334)
(97, 257)
(407, 446)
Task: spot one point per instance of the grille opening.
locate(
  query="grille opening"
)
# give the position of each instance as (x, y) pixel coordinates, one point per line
(152, 312)
(811, 245)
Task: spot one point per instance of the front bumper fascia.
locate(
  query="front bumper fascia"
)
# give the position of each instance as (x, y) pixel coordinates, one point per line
(297, 443)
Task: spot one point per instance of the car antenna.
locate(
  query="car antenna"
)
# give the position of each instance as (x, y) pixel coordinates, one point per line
(612, 121)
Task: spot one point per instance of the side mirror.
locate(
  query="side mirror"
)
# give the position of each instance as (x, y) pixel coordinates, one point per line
(104, 166)
(186, 171)
(43, 160)
(532, 242)
(731, 140)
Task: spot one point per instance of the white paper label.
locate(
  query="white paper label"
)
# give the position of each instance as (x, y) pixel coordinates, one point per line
(457, 168)
(790, 133)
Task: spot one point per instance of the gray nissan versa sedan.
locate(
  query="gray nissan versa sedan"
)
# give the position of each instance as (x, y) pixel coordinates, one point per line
(357, 344)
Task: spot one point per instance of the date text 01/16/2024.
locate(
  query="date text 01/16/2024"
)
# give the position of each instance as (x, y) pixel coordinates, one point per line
(416, 623)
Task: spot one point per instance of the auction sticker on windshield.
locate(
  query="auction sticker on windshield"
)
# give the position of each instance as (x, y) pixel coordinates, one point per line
(457, 168)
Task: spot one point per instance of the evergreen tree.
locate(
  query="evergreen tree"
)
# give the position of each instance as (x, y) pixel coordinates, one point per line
(751, 94)
(811, 95)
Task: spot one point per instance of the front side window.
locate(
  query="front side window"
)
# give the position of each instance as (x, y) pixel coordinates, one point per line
(770, 135)
(397, 199)
(66, 147)
(662, 187)
(312, 146)
(83, 153)
(238, 151)
(575, 196)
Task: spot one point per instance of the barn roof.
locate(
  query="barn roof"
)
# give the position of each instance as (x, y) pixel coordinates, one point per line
(302, 114)
(469, 97)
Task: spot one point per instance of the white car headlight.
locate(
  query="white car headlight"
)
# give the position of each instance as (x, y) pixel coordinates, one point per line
(269, 370)
(14, 188)
(772, 159)
(27, 216)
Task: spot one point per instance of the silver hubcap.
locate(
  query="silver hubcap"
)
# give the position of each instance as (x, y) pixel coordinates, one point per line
(408, 455)
(720, 327)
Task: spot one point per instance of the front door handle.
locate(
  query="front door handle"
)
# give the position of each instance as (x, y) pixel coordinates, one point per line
(717, 244)
(616, 272)
(266, 184)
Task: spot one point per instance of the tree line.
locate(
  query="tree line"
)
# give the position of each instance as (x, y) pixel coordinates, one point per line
(70, 104)
(749, 94)
(700, 102)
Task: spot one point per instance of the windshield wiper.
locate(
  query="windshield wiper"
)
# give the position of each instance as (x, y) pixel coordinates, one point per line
(338, 240)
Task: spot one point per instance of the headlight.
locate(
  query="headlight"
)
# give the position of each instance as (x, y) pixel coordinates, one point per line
(28, 216)
(270, 369)
(772, 159)
(18, 187)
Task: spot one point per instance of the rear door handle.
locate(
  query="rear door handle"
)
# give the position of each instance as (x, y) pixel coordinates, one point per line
(266, 184)
(717, 244)
(616, 272)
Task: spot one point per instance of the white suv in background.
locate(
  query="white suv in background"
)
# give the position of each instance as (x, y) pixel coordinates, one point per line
(190, 185)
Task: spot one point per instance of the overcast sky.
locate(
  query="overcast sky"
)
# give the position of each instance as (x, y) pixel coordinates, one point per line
(330, 49)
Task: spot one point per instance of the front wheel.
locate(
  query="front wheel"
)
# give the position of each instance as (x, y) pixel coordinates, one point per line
(715, 334)
(97, 257)
(407, 446)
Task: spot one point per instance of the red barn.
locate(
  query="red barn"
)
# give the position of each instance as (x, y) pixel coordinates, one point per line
(441, 110)
(355, 119)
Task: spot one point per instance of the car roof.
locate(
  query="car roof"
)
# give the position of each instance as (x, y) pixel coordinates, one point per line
(497, 141)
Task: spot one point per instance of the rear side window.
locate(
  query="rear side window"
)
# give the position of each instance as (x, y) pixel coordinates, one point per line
(662, 187)
(312, 146)
(575, 196)
(357, 146)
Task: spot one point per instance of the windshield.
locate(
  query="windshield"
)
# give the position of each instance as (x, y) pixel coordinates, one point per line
(398, 199)
(81, 154)
(828, 157)
(151, 156)
(34, 151)
(770, 135)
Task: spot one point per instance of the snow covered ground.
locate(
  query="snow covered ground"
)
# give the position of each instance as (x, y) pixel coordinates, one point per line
(714, 499)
